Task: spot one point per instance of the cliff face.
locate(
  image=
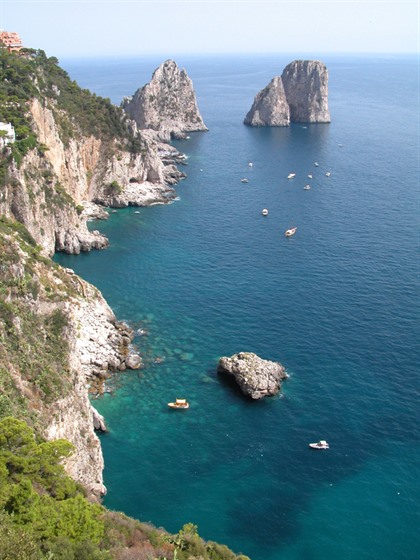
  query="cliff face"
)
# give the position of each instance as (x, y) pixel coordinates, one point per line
(299, 95)
(57, 337)
(48, 190)
(306, 86)
(270, 106)
(167, 104)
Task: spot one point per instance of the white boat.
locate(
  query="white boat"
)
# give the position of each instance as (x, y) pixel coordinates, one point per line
(290, 232)
(316, 164)
(291, 175)
(306, 187)
(244, 180)
(250, 164)
(264, 212)
(321, 444)
(179, 403)
(327, 174)
(309, 176)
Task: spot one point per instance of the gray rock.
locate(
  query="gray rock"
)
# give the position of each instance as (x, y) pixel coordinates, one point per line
(299, 95)
(166, 104)
(133, 361)
(98, 421)
(256, 377)
(270, 106)
(306, 86)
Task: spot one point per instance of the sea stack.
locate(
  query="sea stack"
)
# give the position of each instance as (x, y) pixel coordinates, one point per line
(167, 104)
(302, 88)
(270, 106)
(306, 85)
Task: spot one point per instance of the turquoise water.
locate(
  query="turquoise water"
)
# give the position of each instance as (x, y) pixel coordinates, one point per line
(337, 304)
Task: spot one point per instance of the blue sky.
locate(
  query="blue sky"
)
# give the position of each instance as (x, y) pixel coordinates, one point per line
(65, 28)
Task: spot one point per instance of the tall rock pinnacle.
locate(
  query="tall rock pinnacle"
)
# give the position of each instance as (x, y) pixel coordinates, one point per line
(166, 104)
(306, 86)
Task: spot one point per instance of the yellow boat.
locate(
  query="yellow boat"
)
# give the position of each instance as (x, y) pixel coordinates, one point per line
(179, 403)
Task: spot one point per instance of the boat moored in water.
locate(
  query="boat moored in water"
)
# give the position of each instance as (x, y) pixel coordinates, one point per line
(290, 232)
(264, 212)
(321, 444)
(291, 175)
(244, 180)
(179, 403)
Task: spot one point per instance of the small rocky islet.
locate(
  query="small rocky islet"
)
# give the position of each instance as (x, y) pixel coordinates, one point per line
(257, 378)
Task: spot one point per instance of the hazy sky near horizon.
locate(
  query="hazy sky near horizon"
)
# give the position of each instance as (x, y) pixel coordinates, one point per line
(86, 28)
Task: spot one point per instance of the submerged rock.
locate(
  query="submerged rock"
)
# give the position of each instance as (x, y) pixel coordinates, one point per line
(167, 104)
(256, 377)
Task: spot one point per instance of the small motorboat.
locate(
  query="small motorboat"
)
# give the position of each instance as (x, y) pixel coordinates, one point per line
(264, 212)
(244, 180)
(290, 232)
(291, 175)
(306, 187)
(327, 174)
(179, 403)
(321, 444)
(309, 176)
(316, 164)
(250, 164)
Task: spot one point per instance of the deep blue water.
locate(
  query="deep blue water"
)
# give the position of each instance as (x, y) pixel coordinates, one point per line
(337, 304)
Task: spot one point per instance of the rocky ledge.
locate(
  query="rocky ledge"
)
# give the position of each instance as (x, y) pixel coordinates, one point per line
(299, 95)
(256, 377)
(167, 104)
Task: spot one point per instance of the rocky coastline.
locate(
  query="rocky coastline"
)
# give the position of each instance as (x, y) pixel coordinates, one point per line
(51, 191)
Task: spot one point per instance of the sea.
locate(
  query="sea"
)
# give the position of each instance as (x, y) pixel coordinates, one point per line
(337, 304)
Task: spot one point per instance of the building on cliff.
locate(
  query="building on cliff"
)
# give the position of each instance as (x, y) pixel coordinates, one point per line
(10, 40)
(7, 134)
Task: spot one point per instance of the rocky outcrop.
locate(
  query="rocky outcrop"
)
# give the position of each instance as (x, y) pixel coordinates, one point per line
(270, 106)
(299, 95)
(46, 192)
(167, 104)
(256, 377)
(306, 86)
(98, 345)
(60, 339)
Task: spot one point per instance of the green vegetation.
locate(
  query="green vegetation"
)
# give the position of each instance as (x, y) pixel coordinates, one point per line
(32, 345)
(31, 74)
(45, 515)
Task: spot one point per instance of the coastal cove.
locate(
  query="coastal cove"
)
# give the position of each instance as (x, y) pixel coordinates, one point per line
(337, 304)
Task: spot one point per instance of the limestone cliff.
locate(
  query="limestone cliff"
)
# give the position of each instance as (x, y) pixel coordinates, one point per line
(47, 191)
(57, 337)
(270, 106)
(167, 104)
(306, 86)
(299, 95)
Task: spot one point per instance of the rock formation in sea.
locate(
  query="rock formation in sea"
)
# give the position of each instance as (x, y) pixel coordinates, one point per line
(299, 95)
(167, 104)
(306, 86)
(256, 377)
(270, 106)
